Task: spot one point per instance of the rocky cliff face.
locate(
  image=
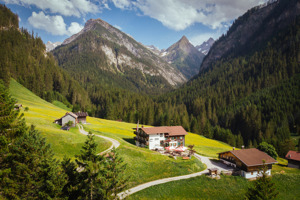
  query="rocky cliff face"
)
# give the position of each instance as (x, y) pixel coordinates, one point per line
(184, 56)
(109, 51)
(254, 27)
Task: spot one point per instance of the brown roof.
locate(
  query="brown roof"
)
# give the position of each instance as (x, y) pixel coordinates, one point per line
(72, 114)
(252, 157)
(293, 155)
(81, 114)
(68, 113)
(171, 130)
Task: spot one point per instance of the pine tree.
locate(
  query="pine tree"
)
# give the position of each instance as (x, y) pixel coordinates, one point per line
(263, 188)
(27, 167)
(91, 170)
(115, 180)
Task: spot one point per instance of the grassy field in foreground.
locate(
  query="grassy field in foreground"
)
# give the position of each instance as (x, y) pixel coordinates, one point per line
(228, 187)
(42, 114)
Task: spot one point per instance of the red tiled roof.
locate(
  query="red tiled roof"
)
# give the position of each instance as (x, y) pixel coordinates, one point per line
(293, 155)
(171, 130)
(252, 157)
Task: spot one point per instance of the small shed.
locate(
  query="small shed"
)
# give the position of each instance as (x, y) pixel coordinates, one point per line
(293, 158)
(69, 116)
(81, 117)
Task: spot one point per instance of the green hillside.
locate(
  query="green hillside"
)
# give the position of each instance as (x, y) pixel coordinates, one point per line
(142, 164)
(42, 114)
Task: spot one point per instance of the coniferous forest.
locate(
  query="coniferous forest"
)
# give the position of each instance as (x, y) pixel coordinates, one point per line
(244, 98)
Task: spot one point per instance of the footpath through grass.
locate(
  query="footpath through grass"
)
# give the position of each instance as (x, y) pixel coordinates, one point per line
(42, 114)
(228, 187)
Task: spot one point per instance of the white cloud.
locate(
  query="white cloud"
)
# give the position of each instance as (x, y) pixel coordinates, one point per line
(123, 4)
(74, 28)
(118, 27)
(180, 14)
(64, 7)
(53, 24)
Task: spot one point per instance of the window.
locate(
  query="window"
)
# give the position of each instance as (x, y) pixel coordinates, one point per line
(161, 135)
(251, 173)
(151, 140)
(156, 138)
(181, 137)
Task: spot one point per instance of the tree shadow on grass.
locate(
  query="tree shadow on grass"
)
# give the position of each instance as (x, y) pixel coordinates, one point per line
(129, 140)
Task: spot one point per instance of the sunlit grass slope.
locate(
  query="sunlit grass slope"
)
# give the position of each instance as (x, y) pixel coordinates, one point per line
(42, 114)
(144, 165)
(205, 146)
(228, 187)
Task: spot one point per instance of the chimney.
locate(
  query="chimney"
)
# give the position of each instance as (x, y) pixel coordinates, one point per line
(233, 148)
(243, 146)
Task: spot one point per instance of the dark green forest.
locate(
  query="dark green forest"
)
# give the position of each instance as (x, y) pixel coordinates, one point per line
(243, 99)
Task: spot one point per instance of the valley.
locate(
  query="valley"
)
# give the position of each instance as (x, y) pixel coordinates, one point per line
(143, 164)
(238, 93)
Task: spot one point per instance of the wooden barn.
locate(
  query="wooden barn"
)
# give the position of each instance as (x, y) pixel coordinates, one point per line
(249, 161)
(81, 117)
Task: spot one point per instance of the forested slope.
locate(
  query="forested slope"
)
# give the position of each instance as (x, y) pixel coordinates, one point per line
(254, 94)
(24, 58)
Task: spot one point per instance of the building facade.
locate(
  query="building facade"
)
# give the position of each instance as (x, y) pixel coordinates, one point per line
(248, 161)
(160, 137)
(69, 116)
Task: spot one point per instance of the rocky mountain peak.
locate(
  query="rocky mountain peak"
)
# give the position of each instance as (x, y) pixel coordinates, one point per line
(184, 56)
(183, 44)
(205, 46)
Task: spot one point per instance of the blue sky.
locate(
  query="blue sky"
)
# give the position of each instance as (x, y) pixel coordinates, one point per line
(151, 22)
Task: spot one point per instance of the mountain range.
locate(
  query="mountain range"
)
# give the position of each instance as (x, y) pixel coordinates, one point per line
(101, 53)
(182, 55)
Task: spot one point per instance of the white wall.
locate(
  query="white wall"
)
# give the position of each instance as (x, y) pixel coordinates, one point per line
(254, 175)
(154, 140)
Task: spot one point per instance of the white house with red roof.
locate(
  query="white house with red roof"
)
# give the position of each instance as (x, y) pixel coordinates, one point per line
(160, 137)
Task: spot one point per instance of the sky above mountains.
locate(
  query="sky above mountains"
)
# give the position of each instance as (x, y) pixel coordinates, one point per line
(151, 22)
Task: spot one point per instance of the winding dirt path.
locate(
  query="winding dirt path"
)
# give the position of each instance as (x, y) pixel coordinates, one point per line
(114, 142)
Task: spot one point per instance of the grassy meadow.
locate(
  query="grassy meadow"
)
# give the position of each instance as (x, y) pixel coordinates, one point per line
(42, 114)
(143, 165)
(228, 187)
